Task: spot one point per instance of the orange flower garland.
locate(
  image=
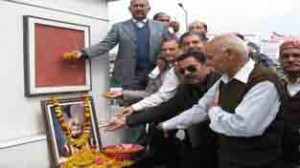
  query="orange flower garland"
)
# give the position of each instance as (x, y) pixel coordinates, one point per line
(89, 159)
(83, 139)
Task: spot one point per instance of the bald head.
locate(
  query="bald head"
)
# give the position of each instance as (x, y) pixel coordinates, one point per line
(139, 9)
(230, 42)
(133, 1)
(227, 53)
(198, 26)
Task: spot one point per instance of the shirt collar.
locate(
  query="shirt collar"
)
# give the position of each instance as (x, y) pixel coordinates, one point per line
(289, 82)
(143, 21)
(293, 88)
(243, 74)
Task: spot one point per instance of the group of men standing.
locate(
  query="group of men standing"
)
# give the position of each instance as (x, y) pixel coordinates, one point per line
(234, 112)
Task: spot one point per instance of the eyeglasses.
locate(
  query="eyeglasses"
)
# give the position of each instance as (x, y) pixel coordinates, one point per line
(190, 69)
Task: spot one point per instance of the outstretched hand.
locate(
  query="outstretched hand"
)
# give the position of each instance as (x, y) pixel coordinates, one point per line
(116, 122)
(160, 127)
(119, 121)
(72, 55)
(127, 111)
(113, 94)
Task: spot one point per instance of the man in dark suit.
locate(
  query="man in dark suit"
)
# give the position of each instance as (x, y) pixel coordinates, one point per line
(139, 40)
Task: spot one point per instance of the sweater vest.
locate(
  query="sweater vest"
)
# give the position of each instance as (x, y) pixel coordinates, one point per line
(249, 151)
(291, 139)
(143, 64)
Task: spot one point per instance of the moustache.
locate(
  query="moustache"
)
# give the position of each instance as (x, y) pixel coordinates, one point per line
(293, 63)
(189, 77)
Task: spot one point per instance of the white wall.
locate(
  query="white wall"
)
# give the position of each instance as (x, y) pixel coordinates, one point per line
(21, 118)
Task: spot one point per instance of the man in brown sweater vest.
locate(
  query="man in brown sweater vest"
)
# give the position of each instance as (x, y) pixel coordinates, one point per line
(290, 63)
(242, 107)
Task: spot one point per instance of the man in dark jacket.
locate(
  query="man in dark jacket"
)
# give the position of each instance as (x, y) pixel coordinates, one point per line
(198, 143)
(138, 40)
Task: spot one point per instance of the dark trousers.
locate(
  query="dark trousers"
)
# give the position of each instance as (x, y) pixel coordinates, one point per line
(205, 157)
(160, 151)
(225, 163)
(173, 153)
(262, 166)
(134, 134)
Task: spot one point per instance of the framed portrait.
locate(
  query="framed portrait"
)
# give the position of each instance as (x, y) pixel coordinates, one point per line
(45, 70)
(71, 125)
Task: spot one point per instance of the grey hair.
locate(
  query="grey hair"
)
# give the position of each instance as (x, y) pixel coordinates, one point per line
(231, 41)
(144, 0)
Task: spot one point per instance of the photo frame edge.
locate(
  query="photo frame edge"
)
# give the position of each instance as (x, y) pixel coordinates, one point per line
(50, 144)
(26, 56)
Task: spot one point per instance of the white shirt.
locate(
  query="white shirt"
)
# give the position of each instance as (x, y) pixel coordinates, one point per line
(165, 92)
(252, 116)
(140, 23)
(293, 88)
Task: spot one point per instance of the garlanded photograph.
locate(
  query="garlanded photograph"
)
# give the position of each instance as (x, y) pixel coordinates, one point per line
(45, 70)
(71, 127)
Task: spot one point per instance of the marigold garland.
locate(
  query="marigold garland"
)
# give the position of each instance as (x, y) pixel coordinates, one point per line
(84, 137)
(85, 157)
(90, 159)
